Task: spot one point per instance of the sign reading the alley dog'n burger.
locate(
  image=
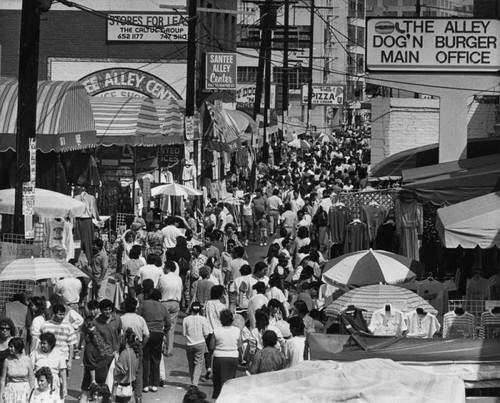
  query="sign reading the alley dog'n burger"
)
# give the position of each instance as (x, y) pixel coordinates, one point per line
(220, 71)
(426, 44)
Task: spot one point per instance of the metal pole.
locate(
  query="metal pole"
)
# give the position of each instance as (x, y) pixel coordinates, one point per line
(311, 53)
(26, 106)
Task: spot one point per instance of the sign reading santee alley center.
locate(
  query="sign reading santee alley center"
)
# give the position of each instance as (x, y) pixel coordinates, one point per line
(418, 44)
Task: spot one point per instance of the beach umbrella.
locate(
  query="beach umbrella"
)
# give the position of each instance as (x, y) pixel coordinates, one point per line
(303, 144)
(373, 297)
(35, 269)
(326, 138)
(368, 267)
(47, 204)
(174, 189)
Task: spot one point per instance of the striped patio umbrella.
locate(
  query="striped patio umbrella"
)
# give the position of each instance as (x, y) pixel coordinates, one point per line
(368, 267)
(174, 189)
(302, 144)
(373, 297)
(35, 269)
(326, 138)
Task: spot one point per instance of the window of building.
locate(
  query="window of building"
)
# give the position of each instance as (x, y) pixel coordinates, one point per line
(351, 35)
(429, 13)
(360, 36)
(409, 3)
(390, 13)
(297, 77)
(390, 2)
(409, 13)
(247, 74)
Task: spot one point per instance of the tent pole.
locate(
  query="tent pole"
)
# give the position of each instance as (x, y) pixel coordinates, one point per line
(134, 176)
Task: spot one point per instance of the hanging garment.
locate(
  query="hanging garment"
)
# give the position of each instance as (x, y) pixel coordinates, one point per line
(409, 225)
(494, 282)
(490, 324)
(338, 217)
(84, 231)
(356, 237)
(387, 323)
(477, 289)
(55, 233)
(387, 238)
(90, 202)
(422, 326)
(457, 326)
(435, 293)
(352, 320)
(373, 216)
(68, 242)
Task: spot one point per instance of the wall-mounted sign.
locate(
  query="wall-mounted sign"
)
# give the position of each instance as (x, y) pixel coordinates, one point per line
(245, 96)
(324, 94)
(220, 71)
(138, 27)
(423, 44)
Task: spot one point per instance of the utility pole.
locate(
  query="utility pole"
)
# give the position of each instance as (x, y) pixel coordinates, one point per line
(286, 32)
(311, 53)
(191, 58)
(27, 98)
(418, 8)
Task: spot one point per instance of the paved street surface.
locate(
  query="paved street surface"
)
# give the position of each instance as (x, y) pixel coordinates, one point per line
(176, 366)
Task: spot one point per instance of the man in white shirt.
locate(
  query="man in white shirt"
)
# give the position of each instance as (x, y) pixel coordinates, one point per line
(69, 289)
(274, 205)
(170, 286)
(170, 233)
(151, 270)
(220, 211)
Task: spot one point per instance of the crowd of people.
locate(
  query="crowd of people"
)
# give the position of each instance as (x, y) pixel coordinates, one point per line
(194, 267)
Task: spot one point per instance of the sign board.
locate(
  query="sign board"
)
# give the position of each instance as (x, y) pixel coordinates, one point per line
(189, 127)
(245, 96)
(139, 27)
(220, 71)
(324, 94)
(426, 44)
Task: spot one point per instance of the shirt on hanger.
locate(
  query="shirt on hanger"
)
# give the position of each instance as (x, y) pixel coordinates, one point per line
(458, 326)
(420, 326)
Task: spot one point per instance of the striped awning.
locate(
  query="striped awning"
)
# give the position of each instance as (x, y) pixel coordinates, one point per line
(225, 132)
(64, 119)
(126, 121)
(171, 121)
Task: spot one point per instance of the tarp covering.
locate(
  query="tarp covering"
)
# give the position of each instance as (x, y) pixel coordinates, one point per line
(429, 155)
(64, 119)
(126, 121)
(472, 223)
(373, 380)
(225, 133)
(332, 347)
(454, 182)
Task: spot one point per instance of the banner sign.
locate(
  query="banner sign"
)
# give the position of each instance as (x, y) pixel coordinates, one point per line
(139, 27)
(444, 44)
(189, 127)
(220, 71)
(324, 94)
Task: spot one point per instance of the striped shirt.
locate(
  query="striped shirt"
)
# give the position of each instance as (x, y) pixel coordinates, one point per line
(490, 325)
(458, 326)
(65, 335)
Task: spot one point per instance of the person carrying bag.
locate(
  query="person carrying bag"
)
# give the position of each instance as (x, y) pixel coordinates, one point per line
(126, 369)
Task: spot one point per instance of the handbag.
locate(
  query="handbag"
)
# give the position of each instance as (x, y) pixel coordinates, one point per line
(126, 390)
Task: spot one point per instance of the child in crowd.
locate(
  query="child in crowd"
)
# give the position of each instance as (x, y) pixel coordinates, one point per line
(263, 225)
(294, 347)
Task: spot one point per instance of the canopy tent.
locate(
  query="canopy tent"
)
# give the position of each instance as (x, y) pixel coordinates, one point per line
(472, 223)
(456, 181)
(246, 126)
(429, 155)
(172, 125)
(126, 121)
(225, 133)
(64, 119)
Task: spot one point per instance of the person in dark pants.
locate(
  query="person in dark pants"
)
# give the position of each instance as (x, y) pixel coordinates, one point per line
(158, 320)
(225, 344)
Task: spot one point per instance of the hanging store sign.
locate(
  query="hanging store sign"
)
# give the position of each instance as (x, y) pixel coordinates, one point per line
(245, 96)
(138, 27)
(220, 71)
(189, 127)
(424, 44)
(324, 94)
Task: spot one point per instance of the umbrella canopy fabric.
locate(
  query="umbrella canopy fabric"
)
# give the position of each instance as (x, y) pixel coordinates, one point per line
(47, 204)
(35, 269)
(305, 145)
(174, 189)
(369, 267)
(326, 138)
(472, 223)
(373, 297)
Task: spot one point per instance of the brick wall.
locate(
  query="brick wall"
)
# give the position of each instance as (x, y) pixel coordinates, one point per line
(400, 124)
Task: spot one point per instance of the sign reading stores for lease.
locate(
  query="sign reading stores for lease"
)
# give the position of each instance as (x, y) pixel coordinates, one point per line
(167, 27)
(418, 44)
(323, 94)
(221, 71)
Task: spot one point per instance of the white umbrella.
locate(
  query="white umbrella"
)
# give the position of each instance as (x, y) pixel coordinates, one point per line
(300, 144)
(174, 189)
(47, 204)
(35, 269)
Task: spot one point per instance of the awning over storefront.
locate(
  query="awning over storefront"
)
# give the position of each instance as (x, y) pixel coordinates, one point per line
(126, 121)
(225, 133)
(456, 181)
(171, 120)
(64, 119)
(472, 223)
(248, 129)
